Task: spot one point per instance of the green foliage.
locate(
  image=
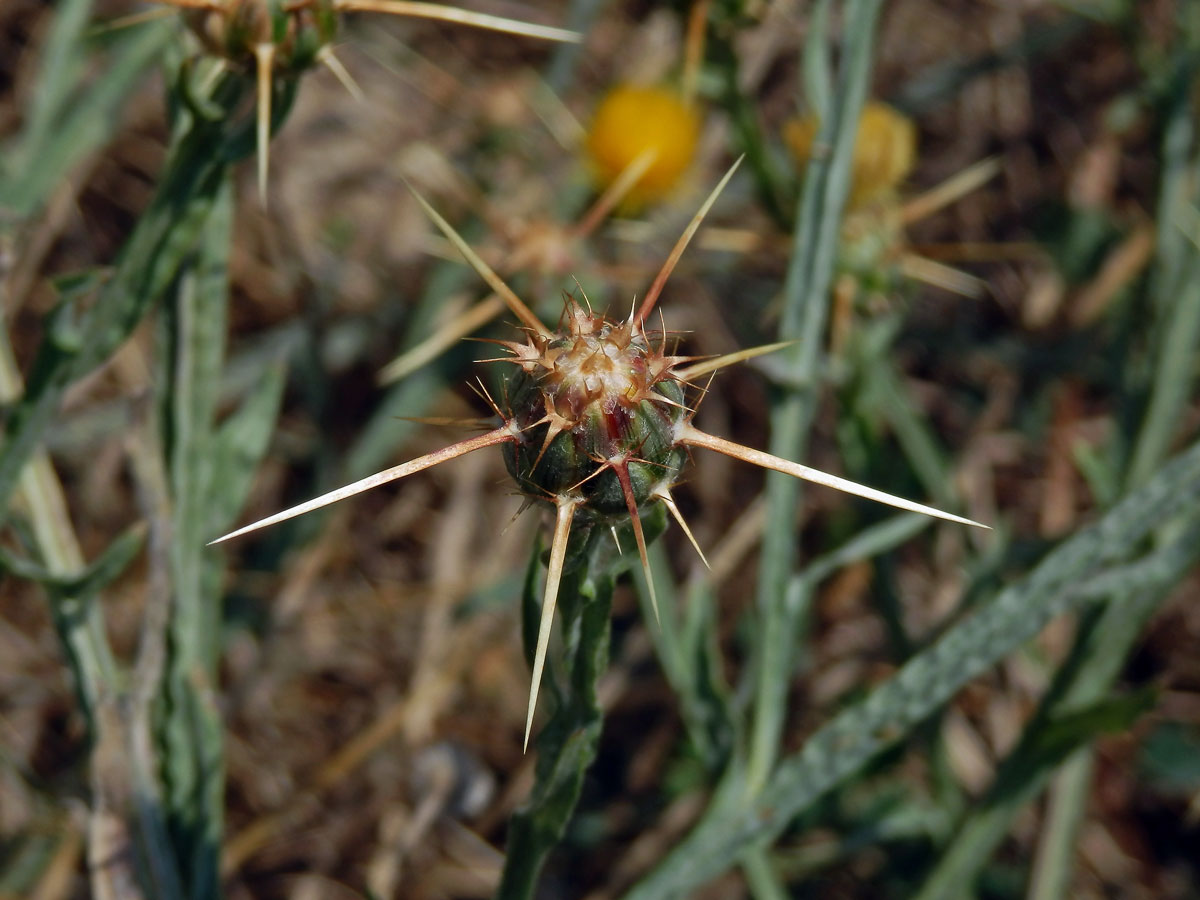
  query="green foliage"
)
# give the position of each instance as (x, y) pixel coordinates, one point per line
(189, 728)
(71, 114)
(1085, 570)
(81, 337)
(176, 255)
(806, 290)
(1171, 757)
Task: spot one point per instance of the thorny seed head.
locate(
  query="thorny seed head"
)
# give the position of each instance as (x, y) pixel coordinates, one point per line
(595, 417)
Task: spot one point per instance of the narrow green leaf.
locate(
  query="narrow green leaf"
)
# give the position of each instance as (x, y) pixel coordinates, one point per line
(1065, 809)
(816, 66)
(880, 538)
(58, 75)
(709, 707)
(193, 330)
(239, 446)
(71, 118)
(687, 651)
(764, 882)
(99, 574)
(1063, 733)
(1175, 293)
(918, 442)
(1083, 682)
(567, 744)
(1170, 758)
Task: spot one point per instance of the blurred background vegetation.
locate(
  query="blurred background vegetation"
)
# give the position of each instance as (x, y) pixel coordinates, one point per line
(993, 286)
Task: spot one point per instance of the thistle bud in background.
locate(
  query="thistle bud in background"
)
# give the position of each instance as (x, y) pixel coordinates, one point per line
(874, 257)
(271, 39)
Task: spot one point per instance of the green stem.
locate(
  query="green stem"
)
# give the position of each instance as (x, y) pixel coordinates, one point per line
(1173, 377)
(1108, 636)
(567, 744)
(1072, 785)
(761, 876)
(806, 305)
(1175, 289)
(1084, 570)
(1086, 678)
(193, 340)
(690, 658)
(78, 619)
(916, 440)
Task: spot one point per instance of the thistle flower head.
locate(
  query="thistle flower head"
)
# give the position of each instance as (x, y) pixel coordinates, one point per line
(597, 397)
(634, 120)
(874, 251)
(595, 424)
(885, 150)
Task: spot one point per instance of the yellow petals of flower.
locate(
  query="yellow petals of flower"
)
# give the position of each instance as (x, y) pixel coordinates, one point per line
(885, 149)
(632, 120)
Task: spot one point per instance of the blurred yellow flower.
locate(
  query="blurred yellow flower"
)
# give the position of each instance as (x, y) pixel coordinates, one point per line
(885, 150)
(632, 121)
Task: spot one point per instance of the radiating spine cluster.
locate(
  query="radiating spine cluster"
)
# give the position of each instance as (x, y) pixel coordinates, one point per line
(596, 424)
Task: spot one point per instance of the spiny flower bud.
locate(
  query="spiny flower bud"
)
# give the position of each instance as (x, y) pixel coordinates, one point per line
(596, 396)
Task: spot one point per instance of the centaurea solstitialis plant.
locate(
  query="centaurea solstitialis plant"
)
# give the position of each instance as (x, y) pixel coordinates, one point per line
(595, 423)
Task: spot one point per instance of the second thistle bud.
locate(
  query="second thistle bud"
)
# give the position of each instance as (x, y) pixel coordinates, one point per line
(594, 402)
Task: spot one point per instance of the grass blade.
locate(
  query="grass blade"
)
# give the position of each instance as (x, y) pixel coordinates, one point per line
(190, 733)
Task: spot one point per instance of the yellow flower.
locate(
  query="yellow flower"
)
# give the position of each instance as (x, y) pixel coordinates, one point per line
(885, 150)
(654, 122)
